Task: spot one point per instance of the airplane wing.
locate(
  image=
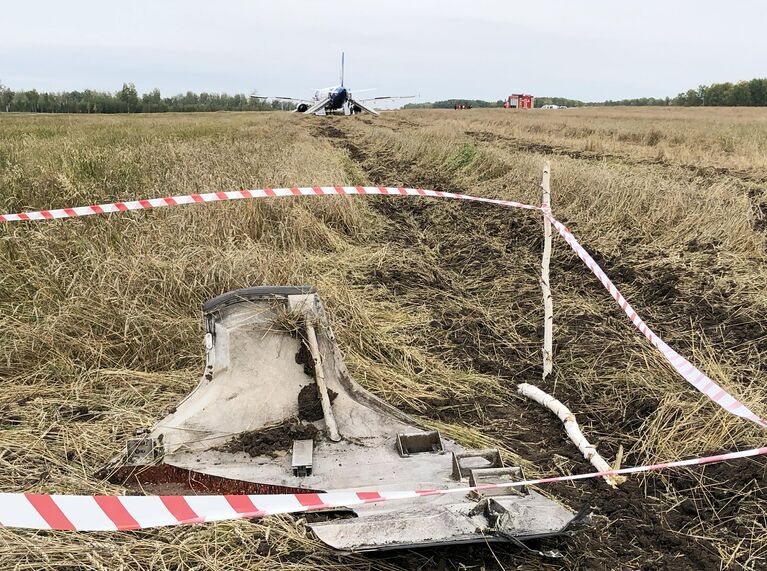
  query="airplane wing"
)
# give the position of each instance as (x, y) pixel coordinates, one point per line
(289, 99)
(317, 106)
(388, 97)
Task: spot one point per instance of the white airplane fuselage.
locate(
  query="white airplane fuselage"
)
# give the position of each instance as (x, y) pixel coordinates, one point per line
(337, 97)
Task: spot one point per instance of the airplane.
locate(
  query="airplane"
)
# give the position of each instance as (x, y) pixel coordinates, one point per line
(333, 100)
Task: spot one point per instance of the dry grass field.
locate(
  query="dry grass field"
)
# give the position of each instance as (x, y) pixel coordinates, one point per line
(436, 306)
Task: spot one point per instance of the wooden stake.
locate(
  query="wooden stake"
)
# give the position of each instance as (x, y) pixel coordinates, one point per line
(548, 302)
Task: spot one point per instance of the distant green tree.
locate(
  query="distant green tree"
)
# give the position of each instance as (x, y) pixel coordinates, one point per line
(20, 102)
(129, 96)
(152, 102)
(758, 89)
(702, 93)
(718, 94)
(33, 98)
(6, 97)
(693, 98)
(451, 103)
(741, 94)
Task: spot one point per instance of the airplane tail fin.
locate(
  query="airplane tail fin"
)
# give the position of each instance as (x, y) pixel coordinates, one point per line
(342, 69)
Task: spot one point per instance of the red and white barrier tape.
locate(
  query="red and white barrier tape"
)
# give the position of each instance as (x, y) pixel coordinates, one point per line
(242, 194)
(690, 373)
(112, 513)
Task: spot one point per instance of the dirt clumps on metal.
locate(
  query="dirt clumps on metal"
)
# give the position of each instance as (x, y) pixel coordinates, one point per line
(271, 441)
(304, 357)
(309, 404)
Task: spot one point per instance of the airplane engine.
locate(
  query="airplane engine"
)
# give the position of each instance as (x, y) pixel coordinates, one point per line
(302, 107)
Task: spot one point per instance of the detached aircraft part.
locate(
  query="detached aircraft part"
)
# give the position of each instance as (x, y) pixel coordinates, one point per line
(276, 411)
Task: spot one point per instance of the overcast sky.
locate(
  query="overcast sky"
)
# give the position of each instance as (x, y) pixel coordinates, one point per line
(484, 49)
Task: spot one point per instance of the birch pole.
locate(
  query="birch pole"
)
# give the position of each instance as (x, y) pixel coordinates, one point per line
(531, 391)
(548, 303)
(588, 450)
(322, 387)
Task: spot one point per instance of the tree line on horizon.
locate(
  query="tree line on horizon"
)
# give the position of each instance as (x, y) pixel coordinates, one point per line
(127, 100)
(751, 93)
(451, 103)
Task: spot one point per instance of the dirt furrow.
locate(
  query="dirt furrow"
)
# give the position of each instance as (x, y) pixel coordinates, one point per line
(704, 171)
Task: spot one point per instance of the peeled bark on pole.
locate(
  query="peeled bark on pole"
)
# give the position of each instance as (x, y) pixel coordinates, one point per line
(573, 430)
(548, 303)
(322, 387)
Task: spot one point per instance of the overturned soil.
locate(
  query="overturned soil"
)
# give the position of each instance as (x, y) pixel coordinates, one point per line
(546, 149)
(270, 441)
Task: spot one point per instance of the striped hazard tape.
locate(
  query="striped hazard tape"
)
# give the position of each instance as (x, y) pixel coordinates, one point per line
(689, 372)
(112, 513)
(243, 194)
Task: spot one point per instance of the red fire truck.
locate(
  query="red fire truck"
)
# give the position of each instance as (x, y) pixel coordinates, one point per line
(519, 101)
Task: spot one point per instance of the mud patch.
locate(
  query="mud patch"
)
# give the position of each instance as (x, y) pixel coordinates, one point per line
(309, 405)
(304, 357)
(330, 132)
(270, 441)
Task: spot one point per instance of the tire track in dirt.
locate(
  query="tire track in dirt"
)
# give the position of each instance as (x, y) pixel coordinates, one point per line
(757, 195)
(643, 531)
(549, 150)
